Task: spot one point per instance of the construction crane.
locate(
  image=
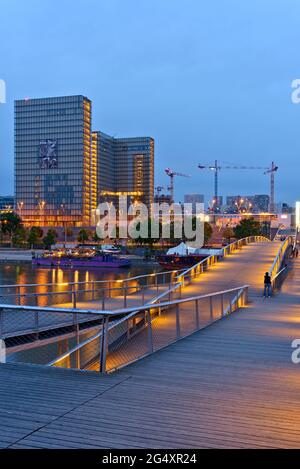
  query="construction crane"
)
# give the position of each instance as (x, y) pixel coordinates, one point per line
(159, 189)
(171, 173)
(267, 170)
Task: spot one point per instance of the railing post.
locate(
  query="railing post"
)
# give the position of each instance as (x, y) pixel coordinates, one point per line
(211, 307)
(103, 345)
(222, 305)
(74, 298)
(103, 299)
(150, 335)
(143, 294)
(78, 364)
(230, 306)
(197, 314)
(19, 296)
(36, 321)
(177, 321)
(125, 295)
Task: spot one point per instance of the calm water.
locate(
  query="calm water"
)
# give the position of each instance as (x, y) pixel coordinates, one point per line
(24, 273)
(12, 273)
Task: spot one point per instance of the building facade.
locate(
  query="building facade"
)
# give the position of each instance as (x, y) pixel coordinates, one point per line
(55, 174)
(63, 170)
(7, 202)
(125, 167)
(258, 203)
(194, 199)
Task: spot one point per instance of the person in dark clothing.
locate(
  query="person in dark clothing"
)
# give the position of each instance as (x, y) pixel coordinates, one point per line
(268, 285)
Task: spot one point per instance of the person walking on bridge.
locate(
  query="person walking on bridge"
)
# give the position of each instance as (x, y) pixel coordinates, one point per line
(268, 285)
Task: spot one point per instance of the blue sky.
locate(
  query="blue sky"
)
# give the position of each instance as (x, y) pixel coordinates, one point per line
(207, 79)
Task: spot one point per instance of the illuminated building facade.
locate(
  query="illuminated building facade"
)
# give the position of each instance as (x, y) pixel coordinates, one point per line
(125, 166)
(55, 163)
(63, 170)
(255, 203)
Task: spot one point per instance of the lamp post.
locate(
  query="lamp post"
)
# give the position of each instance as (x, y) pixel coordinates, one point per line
(42, 205)
(62, 206)
(20, 207)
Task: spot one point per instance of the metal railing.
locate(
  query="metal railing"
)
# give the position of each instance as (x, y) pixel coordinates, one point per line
(73, 293)
(278, 269)
(26, 327)
(202, 266)
(148, 329)
(62, 294)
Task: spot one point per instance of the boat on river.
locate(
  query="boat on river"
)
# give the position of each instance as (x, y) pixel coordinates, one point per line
(79, 258)
(184, 257)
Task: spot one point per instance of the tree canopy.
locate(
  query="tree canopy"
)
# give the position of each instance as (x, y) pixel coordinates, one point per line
(247, 227)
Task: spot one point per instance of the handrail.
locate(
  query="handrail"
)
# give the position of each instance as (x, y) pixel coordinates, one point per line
(112, 325)
(147, 307)
(280, 255)
(60, 284)
(117, 312)
(228, 247)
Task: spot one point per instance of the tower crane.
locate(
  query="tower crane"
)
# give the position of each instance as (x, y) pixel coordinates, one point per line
(171, 173)
(267, 170)
(159, 189)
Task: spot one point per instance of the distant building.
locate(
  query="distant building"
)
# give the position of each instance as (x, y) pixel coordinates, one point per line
(63, 170)
(248, 203)
(54, 176)
(125, 166)
(7, 202)
(162, 199)
(194, 199)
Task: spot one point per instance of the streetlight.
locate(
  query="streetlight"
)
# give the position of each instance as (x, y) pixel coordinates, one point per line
(42, 204)
(62, 206)
(20, 207)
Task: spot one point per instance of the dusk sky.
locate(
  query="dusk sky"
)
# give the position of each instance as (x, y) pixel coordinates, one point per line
(207, 79)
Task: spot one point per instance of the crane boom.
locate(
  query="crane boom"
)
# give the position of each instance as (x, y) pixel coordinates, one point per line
(267, 170)
(171, 173)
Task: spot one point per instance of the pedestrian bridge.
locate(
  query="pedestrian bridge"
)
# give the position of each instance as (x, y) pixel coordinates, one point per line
(208, 390)
(146, 312)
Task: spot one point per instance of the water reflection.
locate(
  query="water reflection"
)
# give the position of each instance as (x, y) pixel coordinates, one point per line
(12, 273)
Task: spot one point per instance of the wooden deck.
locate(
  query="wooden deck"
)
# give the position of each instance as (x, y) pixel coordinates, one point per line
(230, 385)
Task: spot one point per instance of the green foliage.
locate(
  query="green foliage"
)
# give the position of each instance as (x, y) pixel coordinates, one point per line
(247, 227)
(208, 231)
(228, 233)
(50, 238)
(19, 237)
(95, 237)
(145, 227)
(35, 235)
(83, 236)
(10, 223)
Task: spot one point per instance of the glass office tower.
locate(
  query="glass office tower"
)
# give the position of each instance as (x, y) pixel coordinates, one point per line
(55, 166)
(125, 166)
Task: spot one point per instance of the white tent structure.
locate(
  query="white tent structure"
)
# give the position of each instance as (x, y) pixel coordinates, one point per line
(182, 250)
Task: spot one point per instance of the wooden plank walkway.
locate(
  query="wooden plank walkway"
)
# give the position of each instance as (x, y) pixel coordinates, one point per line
(231, 385)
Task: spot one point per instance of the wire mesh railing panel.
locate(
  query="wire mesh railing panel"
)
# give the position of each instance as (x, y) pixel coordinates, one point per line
(40, 336)
(204, 312)
(127, 342)
(188, 319)
(164, 329)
